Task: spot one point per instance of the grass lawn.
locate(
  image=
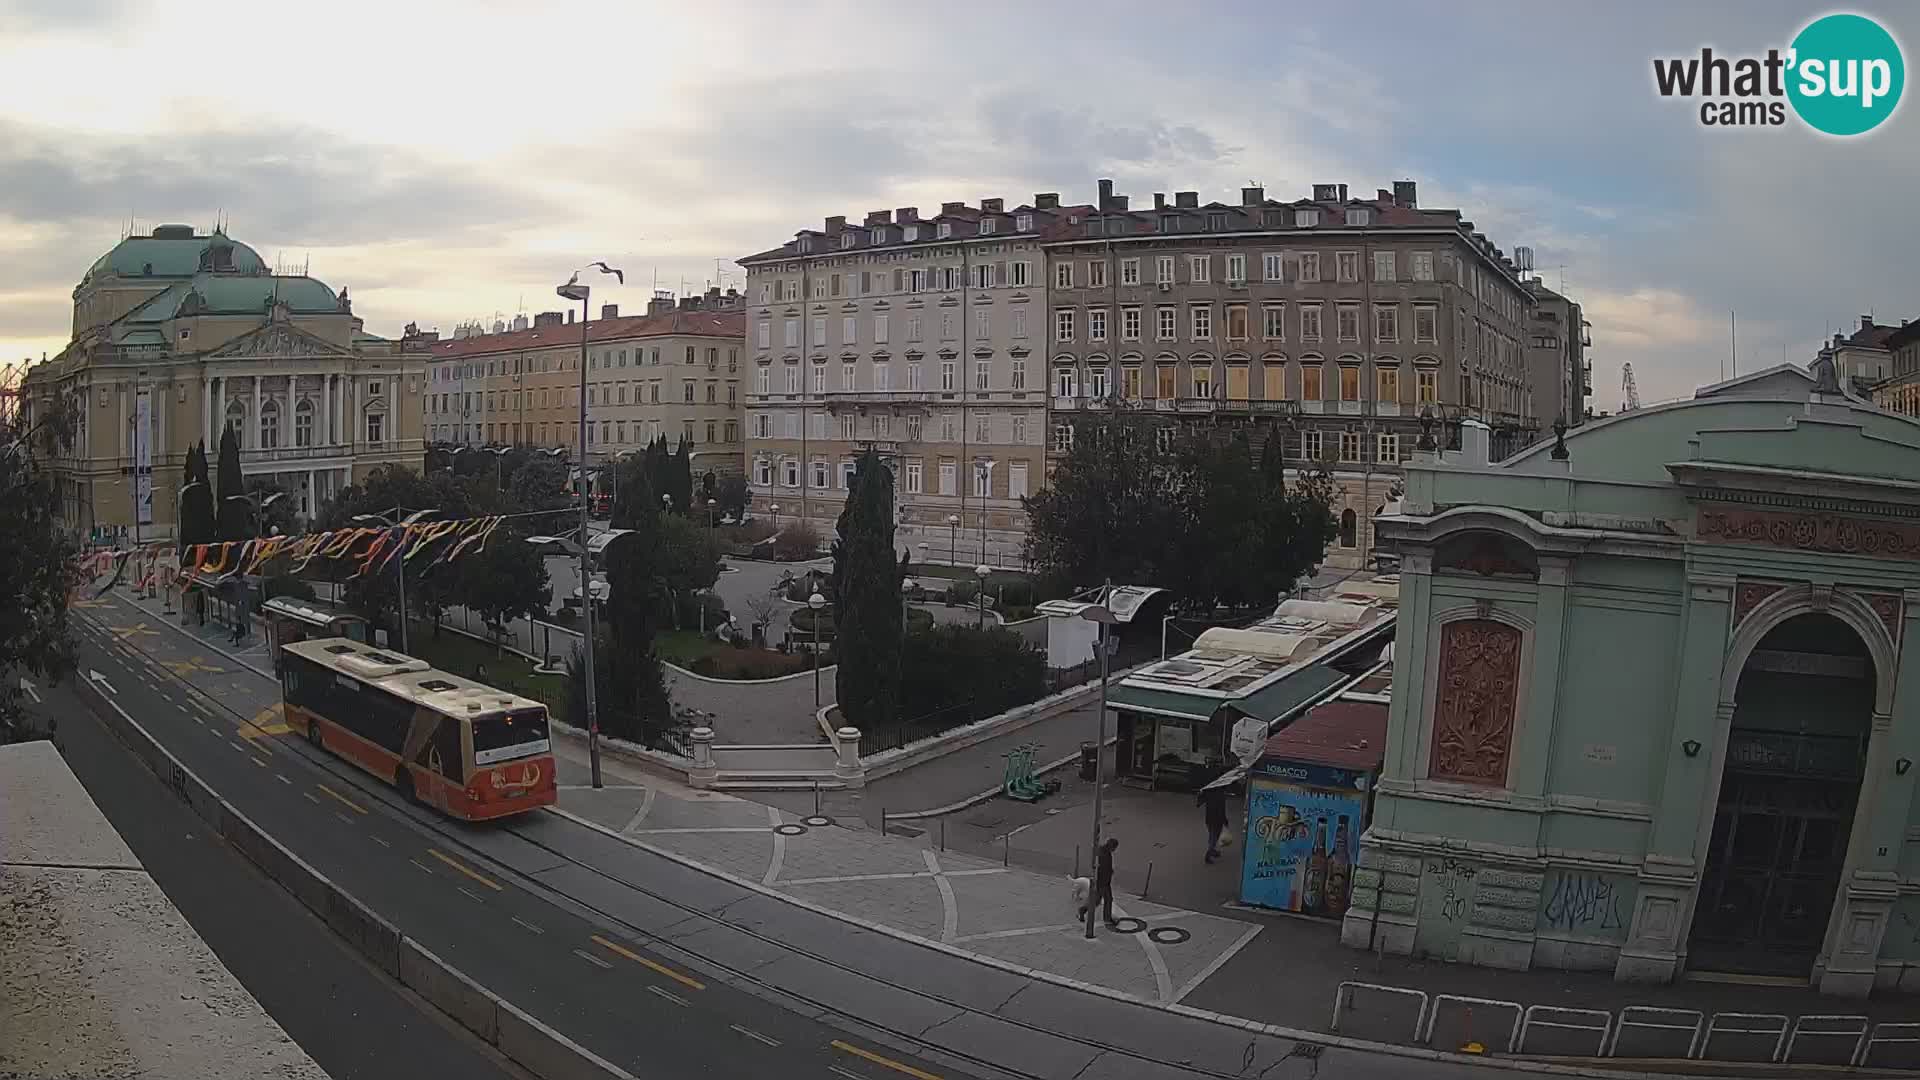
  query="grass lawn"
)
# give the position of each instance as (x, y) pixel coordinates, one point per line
(702, 656)
(464, 656)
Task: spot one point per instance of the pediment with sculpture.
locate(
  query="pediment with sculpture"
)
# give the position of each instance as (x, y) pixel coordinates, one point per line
(276, 340)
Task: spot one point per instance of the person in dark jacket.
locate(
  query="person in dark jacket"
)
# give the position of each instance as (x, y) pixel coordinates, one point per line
(1103, 881)
(1215, 800)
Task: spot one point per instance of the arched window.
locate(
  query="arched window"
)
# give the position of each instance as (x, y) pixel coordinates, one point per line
(237, 420)
(1349, 529)
(303, 423)
(269, 425)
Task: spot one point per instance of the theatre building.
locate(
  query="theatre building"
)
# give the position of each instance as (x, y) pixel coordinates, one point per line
(1652, 708)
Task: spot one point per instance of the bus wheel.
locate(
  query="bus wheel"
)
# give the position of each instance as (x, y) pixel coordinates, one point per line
(313, 735)
(403, 783)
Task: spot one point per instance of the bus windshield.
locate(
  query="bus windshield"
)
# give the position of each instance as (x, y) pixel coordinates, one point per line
(506, 736)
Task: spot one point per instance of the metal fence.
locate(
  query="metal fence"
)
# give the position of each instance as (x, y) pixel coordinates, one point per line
(1648, 1031)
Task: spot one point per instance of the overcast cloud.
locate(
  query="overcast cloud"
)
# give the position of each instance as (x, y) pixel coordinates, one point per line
(448, 161)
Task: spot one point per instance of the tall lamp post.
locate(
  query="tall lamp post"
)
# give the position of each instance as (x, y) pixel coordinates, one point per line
(1102, 614)
(575, 290)
(712, 505)
(953, 539)
(814, 604)
(981, 572)
(390, 518)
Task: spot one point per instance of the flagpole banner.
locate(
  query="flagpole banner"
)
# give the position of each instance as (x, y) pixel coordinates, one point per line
(143, 457)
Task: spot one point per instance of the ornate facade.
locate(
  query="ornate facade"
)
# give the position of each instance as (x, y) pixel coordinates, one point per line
(178, 336)
(1652, 708)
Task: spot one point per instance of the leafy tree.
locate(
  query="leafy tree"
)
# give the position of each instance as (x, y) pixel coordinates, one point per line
(197, 525)
(504, 581)
(37, 571)
(390, 487)
(689, 559)
(283, 515)
(796, 543)
(231, 515)
(734, 495)
(709, 487)
(656, 462)
(866, 599)
(630, 695)
(288, 586)
(628, 677)
(539, 484)
(1112, 509)
(680, 478)
(987, 670)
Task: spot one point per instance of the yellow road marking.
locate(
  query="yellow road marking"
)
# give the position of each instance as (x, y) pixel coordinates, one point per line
(682, 979)
(465, 869)
(897, 1066)
(139, 629)
(342, 799)
(269, 721)
(194, 664)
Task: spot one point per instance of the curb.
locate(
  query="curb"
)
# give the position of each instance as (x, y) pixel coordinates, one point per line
(972, 801)
(528, 1042)
(178, 629)
(1238, 1023)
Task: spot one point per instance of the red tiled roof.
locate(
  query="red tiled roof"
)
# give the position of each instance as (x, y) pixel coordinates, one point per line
(1872, 337)
(965, 223)
(1341, 734)
(694, 323)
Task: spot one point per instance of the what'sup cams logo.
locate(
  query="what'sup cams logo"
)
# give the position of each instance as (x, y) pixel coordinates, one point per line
(1842, 75)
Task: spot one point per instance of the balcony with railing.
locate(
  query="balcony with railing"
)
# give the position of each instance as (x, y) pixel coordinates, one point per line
(296, 455)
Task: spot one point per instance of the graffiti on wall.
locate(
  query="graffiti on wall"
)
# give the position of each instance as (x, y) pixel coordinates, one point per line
(1451, 878)
(1587, 902)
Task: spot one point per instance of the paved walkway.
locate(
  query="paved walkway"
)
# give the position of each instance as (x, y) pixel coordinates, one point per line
(1195, 948)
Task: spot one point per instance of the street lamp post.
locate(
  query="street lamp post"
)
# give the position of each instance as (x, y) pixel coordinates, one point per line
(953, 539)
(1102, 614)
(814, 604)
(981, 572)
(712, 505)
(574, 290)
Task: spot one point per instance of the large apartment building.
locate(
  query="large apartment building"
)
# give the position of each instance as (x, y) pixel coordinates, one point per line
(1331, 322)
(1557, 366)
(924, 338)
(179, 336)
(674, 372)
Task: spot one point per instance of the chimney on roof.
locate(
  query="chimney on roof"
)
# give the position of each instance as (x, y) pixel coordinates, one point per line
(689, 303)
(993, 206)
(1383, 196)
(1252, 196)
(836, 223)
(520, 322)
(1159, 200)
(1405, 193)
(1118, 203)
(879, 217)
(1186, 200)
(569, 316)
(907, 215)
(1106, 195)
(1046, 200)
(1326, 192)
(1866, 322)
(545, 318)
(952, 207)
(1343, 193)
(609, 311)
(661, 304)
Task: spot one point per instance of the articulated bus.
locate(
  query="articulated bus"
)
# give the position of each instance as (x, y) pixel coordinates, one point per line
(469, 750)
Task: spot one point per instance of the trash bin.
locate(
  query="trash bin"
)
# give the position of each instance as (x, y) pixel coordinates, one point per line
(1089, 760)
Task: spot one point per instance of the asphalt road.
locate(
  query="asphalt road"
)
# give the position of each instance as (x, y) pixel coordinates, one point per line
(613, 994)
(352, 1020)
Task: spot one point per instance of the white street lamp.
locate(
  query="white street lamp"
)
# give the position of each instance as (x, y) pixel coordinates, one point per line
(815, 603)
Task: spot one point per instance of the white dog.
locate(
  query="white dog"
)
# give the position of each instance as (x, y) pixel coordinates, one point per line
(1082, 888)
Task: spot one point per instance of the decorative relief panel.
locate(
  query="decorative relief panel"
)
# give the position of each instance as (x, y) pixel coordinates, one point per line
(1809, 532)
(1749, 594)
(1474, 705)
(1887, 606)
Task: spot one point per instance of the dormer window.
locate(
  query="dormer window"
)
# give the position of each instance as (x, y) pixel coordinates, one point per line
(1216, 222)
(806, 244)
(987, 225)
(945, 229)
(1360, 216)
(846, 240)
(1306, 219)
(913, 232)
(1023, 223)
(1169, 223)
(879, 236)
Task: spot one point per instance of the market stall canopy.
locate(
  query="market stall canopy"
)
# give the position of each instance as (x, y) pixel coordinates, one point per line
(1339, 734)
(1268, 703)
(1125, 601)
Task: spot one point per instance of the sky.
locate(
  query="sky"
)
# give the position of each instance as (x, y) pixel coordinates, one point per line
(449, 162)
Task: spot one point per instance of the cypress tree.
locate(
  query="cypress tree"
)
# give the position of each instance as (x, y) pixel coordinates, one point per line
(230, 514)
(866, 599)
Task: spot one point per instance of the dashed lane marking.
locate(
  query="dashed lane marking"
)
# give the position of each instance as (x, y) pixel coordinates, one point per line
(668, 994)
(283, 779)
(262, 762)
(679, 977)
(754, 1035)
(529, 926)
(470, 894)
(236, 746)
(342, 799)
(343, 817)
(422, 867)
(465, 869)
(591, 959)
(897, 1066)
(379, 841)
(310, 798)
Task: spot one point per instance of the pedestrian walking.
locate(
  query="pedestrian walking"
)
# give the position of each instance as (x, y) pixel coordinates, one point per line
(1214, 799)
(1102, 882)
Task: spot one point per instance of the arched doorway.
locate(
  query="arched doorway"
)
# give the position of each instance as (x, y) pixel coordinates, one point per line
(1797, 749)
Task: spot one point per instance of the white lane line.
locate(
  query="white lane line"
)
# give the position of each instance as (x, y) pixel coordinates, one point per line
(779, 853)
(528, 925)
(199, 721)
(235, 743)
(475, 897)
(754, 1035)
(423, 867)
(311, 798)
(282, 778)
(379, 841)
(668, 994)
(260, 761)
(646, 807)
(837, 1070)
(949, 906)
(343, 817)
(591, 959)
(1218, 963)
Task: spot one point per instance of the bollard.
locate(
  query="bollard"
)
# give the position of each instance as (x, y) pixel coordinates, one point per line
(943, 834)
(816, 798)
(883, 821)
(1076, 860)
(1006, 850)
(1149, 884)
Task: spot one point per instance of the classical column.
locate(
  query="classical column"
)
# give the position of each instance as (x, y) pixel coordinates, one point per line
(206, 410)
(326, 410)
(219, 416)
(313, 493)
(255, 425)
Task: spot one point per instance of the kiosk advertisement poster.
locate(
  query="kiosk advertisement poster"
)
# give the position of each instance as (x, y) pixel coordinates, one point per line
(1302, 837)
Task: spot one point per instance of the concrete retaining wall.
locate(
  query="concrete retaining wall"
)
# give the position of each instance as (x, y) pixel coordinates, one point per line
(538, 1048)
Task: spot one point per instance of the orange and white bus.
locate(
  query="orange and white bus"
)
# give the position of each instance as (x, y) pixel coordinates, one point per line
(470, 750)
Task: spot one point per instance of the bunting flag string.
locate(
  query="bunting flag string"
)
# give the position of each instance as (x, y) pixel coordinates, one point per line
(370, 549)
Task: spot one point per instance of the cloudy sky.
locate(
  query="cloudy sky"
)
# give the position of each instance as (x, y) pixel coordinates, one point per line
(451, 161)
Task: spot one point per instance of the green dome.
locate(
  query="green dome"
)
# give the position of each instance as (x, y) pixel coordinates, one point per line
(175, 251)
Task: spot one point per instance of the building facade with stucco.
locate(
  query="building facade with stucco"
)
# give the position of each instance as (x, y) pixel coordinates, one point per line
(1652, 709)
(178, 336)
